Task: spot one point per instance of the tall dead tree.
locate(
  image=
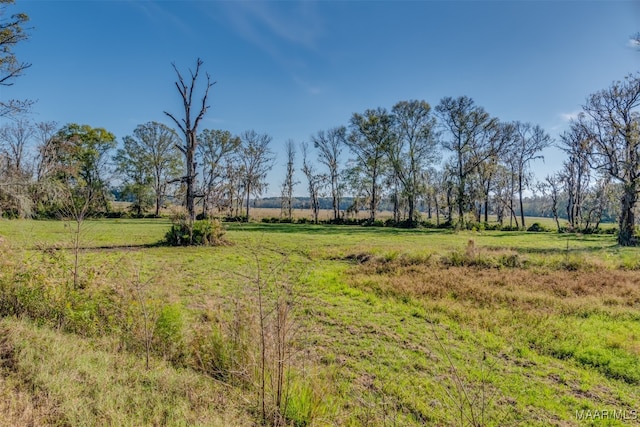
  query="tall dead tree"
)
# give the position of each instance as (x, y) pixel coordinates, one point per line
(189, 128)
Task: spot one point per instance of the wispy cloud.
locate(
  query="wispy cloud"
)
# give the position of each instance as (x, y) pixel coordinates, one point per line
(296, 26)
(567, 117)
(157, 13)
(311, 89)
(286, 34)
(634, 42)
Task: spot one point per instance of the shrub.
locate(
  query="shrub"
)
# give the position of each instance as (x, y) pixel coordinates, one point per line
(536, 227)
(492, 227)
(236, 218)
(169, 333)
(446, 224)
(274, 220)
(206, 232)
(117, 214)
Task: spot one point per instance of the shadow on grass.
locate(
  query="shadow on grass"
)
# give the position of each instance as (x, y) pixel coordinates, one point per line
(331, 229)
(159, 244)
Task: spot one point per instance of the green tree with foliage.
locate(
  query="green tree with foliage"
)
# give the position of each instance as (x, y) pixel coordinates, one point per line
(370, 135)
(148, 161)
(474, 137)
(415, 148)
(81, 163)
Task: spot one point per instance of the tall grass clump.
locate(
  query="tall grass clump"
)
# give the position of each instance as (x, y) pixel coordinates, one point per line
(204, 232)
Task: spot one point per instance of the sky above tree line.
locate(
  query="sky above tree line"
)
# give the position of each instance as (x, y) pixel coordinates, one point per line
(290, 69)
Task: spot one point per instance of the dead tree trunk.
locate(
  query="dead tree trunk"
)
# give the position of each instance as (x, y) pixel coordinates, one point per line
(189, 128)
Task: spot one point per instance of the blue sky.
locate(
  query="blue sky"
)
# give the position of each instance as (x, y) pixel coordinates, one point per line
(291, 69)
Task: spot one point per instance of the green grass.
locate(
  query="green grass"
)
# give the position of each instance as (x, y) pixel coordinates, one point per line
(393, 327)
(88, 384)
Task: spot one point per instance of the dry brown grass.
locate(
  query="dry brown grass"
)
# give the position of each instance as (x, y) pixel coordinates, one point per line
(258, 213)
(323, 215)
(17, 407)
(556, 291)
(20, 409)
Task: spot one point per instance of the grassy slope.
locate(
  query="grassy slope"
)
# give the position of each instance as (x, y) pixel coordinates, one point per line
(401, 326)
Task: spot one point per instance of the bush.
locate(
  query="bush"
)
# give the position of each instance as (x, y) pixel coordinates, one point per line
(213, 355)
(536, 227)
(169, 335)
(237, 218)
(274, 220)
(206, 232)
(117, 214)
(492, 227)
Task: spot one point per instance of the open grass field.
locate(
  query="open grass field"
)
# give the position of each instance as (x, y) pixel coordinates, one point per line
(363, 326)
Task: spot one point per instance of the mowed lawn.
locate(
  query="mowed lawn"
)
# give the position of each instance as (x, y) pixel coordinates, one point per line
(391, 327)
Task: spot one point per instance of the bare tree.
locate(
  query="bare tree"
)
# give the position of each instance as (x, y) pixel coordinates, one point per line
(44, 133)
(15, 172)
(598, 200)
(486, 180)
(314, 181)
(289, 183)
(551, 189)
(215, 151)
(529, 141)
(14, 137)
(612, 122)
(503, 190)
(329, 145)
(575, 174)
(257, 159)
(188, 126)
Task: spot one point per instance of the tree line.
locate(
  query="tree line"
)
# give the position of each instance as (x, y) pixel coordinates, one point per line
(453, 162)
(380, 156)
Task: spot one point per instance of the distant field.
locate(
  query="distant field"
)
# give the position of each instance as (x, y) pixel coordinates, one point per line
(257, 214)
(386, 326)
